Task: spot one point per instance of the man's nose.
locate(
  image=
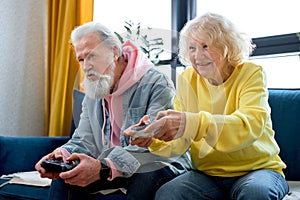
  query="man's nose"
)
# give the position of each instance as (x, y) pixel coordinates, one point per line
(86, 66)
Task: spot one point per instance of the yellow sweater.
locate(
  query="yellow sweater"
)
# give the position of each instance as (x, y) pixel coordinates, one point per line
(228, 127)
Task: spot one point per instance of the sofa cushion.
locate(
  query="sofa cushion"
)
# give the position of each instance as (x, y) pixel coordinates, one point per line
(77, 108)
(20, 154)
(285, 114)
(22, 192)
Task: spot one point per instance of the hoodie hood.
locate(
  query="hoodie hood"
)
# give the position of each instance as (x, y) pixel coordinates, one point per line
(137, 65)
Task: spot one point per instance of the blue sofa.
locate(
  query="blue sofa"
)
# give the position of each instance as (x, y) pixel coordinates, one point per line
(19, 154)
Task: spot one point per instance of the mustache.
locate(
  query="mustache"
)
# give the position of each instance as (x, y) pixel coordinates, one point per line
(98, 75)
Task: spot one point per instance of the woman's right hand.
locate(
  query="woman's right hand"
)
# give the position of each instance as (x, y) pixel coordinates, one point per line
(168, 125)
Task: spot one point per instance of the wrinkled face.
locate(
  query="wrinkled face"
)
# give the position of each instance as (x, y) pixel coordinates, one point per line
(205, 61)
(96, 60)
(93, 54)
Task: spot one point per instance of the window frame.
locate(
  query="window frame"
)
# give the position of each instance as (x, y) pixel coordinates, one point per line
(185, 10)
(277, 44)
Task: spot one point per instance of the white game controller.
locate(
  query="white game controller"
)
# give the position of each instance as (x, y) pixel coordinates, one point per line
(140, 132)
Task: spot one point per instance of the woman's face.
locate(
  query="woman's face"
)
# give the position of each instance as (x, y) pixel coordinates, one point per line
(205, 61)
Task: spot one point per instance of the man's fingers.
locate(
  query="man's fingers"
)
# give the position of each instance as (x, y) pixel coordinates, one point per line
(74, 156)
(57, 155)
(145, 120)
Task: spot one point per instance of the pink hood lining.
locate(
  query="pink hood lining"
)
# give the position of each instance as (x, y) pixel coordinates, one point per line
(137, 65)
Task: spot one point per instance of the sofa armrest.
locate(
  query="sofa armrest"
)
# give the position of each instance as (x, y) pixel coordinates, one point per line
(19, 153)
(285, 114)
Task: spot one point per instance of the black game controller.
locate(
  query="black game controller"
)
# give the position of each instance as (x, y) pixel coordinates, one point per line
(56, 165)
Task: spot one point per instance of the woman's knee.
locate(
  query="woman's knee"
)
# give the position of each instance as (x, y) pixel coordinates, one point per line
(167, 190)
(264, 184)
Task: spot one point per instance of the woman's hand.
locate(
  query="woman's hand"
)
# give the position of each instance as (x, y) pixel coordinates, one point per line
(170, 125)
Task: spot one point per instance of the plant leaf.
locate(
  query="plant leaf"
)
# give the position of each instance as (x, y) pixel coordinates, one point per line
(119, 37)
(128, 30)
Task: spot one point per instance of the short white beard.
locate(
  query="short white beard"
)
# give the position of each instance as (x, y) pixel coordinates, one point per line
(99, 88)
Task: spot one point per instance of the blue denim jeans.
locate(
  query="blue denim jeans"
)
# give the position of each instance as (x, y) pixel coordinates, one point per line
(139, 186)
(258, 185)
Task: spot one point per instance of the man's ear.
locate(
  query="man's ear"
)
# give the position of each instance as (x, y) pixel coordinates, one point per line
(116, 52)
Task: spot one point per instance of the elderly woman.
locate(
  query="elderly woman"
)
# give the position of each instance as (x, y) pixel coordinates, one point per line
(221, 116)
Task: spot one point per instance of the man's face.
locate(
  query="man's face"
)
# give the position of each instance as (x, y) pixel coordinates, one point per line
(96, 60)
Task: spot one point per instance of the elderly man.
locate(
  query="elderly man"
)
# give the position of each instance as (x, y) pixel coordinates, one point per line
(121, 86)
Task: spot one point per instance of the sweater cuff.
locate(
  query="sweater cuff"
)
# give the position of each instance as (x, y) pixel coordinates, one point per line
(192, 126)
(156, 145)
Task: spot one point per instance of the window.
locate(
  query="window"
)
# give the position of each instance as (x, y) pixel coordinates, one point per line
(113, 13)
(282, 70)
(266, 18)
(257, 18)
(262, 20)
(155, 14)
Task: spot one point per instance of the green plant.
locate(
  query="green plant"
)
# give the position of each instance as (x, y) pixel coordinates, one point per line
(151, 47)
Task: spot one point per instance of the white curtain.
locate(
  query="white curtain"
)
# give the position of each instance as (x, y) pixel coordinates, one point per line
(22, 67)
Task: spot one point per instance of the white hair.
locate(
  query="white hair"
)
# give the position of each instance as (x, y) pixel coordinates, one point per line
(105, 35)
(222, 35)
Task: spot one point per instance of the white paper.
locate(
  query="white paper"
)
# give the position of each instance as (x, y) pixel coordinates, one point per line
(26, 178)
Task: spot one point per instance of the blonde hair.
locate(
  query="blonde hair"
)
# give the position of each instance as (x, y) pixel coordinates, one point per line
(222, 36)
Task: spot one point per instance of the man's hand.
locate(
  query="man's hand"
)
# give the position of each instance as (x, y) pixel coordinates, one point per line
(59, 153)
(139, 141)
(85, 173)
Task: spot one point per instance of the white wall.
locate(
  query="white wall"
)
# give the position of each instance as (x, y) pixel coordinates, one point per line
(22, 67)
